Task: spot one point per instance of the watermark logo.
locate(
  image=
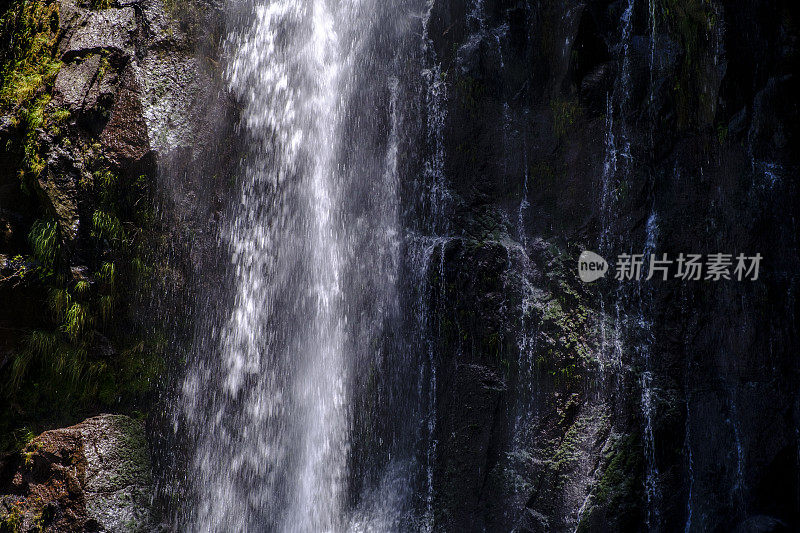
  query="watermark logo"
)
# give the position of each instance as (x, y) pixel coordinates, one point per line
(687, 267)
(591, 267)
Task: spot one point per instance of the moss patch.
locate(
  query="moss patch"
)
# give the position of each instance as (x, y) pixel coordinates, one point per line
(618, 497)
(692, 23)
(565, 113)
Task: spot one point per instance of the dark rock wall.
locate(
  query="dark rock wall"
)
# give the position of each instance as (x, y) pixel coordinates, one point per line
(697, 99)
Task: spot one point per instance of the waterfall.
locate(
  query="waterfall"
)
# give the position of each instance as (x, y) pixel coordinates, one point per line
(313, 241)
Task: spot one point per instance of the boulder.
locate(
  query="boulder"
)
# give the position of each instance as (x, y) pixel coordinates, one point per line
(94, 476)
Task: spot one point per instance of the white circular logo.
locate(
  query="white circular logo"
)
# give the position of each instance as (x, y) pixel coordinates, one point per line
(591, 267)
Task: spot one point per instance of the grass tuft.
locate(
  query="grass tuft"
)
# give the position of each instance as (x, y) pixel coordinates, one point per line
(107, 227)
(44, 240)
(77, 321)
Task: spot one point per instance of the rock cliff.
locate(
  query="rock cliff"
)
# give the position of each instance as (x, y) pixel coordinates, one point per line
(652, 127)
(95, 98)
(638, 127)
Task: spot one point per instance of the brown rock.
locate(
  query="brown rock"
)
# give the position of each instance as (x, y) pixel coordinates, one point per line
(94, 476)
(125, 138)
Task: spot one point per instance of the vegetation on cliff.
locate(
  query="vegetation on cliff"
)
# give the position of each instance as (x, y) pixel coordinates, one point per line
(77, 250)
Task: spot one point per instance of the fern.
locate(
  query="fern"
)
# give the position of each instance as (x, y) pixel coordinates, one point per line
(82, 288)
(106, 304)
(44, 240)
(106, 179)
(77, 322)
(42, 343)
(19, 367)
(59, 299)
(107, 227)
(107, 274)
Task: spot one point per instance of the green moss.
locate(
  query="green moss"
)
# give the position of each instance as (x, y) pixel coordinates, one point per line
(565, 113)
(566, 453)
(29, 452)
(618, 479)
(28, 66)
(553, 312)
(691, 23)
(470, 92)
(100, 4)
(59, 115)
(722, 133)
(29, 30)
(103, 68)
(619, 493)
(189, 14)
(11, 522)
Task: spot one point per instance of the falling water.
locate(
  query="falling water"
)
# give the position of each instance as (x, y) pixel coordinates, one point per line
(617, 143)
(611, 348)
(430, 236)
(653, 22)
(615, 101)
(315, 227)
(608, 177)
(524, 203)
(738, 488)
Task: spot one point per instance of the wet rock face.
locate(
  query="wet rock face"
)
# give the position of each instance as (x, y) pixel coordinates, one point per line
(95, 50)
(689, 109)
(94, 476)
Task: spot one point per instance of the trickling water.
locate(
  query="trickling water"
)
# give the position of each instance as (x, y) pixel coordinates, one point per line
(476, 15)
(435, 96)
(524, 204)
(608, 177)
(738, 489)
(616, 169)
(655, 71)
(625, 77)
(617, 149)
(690, 461)
(644, 325)
(432, 236)
(611, 348)
(653, 22)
